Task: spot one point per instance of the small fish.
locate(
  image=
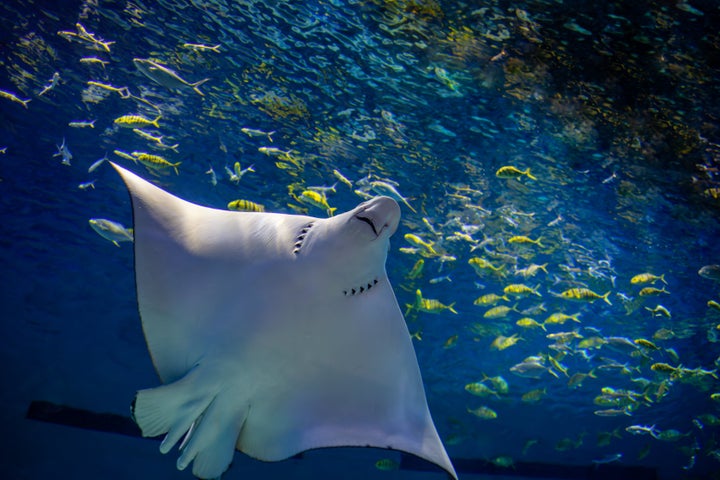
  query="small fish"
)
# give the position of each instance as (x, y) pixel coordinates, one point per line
(276, 152)
(245, 206)
(642, 430)
(531, 369)
(124, 155)
(202, 48)
(52, 84)
(584, 295)
(500, 311)
(14, 98)
(251, 132)
(64, 152)
(82, 124)
(509, 171)
(485, 413)
(420, 242)
(503, 461)
(445, 278)
(480, 264)
(166, 77)
(416, 270)
(522, 239)
(387, 465)
(158, 140)
(87, 185)
(615, 457)
(155, 162)
(560, 318)
(479, 389)
(520, 290)
(93, 61)
(319, 200)
(450, 342)
(531, 270)
(430, 305)
(342, 178)
(659, 311)
(136, 121)
(213, 176)
(385, 188)
(490, 299)
(647, 278)
(613, 412)
(502, 342)
(534, 396)
(112, 231)
(528, 322)
(651, 291)
(711, 272)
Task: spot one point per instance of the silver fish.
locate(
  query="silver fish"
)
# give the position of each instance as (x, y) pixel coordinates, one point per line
(166, 77)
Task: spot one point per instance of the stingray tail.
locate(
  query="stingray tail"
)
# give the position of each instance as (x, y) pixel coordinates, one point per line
(209, 422)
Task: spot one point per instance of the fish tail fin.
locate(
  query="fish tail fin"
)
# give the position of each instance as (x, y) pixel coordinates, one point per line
(662, 279)
(542, 325)
(591, 373)
(529, 175)
(452, 309)
(197, 84)
(155, 122)
(606, 299)
(539, 243)
(331, 211)
(269, 135)
(175, 166)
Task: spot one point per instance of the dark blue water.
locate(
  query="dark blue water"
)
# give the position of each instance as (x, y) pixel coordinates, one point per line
(612, 107)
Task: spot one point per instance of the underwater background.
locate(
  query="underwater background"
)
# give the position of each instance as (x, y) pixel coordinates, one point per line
(561, 155)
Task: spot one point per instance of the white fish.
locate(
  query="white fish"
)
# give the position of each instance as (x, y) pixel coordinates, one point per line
(112, 231)
(166, 77)
(64, 152)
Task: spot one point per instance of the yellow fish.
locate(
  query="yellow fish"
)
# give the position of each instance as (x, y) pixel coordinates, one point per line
(316, 199)
(525, 240)
(648, 291)
(155, 162)
(502, 342)
(387, 465)
(498, 312)
(480, 264)
(416, 270)
(418, 241)
(486, 413)
(520, 290)
(430, 305)
(489, 299)
(509, 171)
(534, 396)
(136, 121)
(245, 206)
(559, 318)
(479, 389)
(584, 295)
(647, 278)
(528, 322)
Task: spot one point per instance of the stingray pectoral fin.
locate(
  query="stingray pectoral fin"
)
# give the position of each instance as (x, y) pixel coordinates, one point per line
(212, 443)
(207, 415)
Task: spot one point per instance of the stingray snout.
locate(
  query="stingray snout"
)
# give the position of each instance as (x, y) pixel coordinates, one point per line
(381, 213)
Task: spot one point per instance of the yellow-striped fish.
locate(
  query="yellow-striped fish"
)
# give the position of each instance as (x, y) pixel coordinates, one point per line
(584, 295)
(241, 205)
(136, 121)
(155, 162)
(525, 240)
(647, 278)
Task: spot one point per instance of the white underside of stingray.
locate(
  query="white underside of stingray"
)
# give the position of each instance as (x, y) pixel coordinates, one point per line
(273, 334)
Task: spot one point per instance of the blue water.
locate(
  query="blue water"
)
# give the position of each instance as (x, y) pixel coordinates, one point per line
(612, 107)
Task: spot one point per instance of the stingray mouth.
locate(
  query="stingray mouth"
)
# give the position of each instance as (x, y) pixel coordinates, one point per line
(370, 222)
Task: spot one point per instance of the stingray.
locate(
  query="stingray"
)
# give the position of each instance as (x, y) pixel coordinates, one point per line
(273, 334)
